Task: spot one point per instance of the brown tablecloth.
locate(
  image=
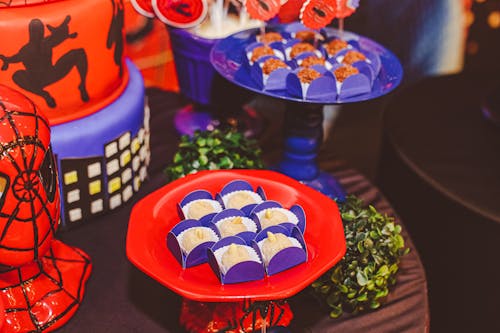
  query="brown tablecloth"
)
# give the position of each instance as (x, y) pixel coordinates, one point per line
(120, 298)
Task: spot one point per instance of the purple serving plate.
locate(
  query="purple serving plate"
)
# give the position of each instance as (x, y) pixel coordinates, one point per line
(228, 58)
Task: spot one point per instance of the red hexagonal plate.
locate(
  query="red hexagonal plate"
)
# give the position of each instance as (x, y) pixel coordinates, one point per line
(153, 217)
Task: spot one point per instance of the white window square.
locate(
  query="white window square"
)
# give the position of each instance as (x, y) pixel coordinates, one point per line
(124, 141)
(94, 170)
(96, 206)
(126, 175)
(111, 149)
(115, 201)
(136, 163)
(73, 196)
(147, 117)
(143, 152)
(127, 193)
(112, 166)
(143, 173)
(75, 214)
(140, 135)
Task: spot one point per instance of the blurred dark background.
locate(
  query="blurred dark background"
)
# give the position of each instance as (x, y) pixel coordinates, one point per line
(437, 158)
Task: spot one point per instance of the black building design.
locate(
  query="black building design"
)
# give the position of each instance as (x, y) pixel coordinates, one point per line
(93, 185)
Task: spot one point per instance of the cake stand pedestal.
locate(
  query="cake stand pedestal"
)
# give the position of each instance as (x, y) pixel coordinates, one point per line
(209, 306)
(303, 137)
(303, 117)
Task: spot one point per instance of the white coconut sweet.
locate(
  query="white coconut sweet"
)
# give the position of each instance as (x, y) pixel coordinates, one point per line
(197, 209)
(230, 255)
(240, 199)
(274, 216)
(192, 237)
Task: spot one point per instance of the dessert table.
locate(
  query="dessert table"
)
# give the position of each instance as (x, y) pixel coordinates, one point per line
(440, 151)
(120, 298)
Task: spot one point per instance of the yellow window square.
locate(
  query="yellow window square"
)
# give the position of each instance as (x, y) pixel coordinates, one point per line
(70, 177)
(95, 187)
(135, 145)
(137, 183)
(125, 158)
(114, 185)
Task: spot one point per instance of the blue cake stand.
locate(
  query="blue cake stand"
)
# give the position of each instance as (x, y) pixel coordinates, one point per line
(303, 117)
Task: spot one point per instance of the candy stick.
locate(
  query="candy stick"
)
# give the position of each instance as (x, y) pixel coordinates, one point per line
(341, 27)
(226, 9)
(217, 15)
(242, 15)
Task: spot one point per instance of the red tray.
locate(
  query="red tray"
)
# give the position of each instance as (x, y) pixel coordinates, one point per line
(153, 217)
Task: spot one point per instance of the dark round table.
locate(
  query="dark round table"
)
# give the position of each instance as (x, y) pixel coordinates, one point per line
(439, 130)
(440, 168)
(120, 298)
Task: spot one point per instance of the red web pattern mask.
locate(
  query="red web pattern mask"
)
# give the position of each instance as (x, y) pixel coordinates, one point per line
(42, 280)
(29, 199)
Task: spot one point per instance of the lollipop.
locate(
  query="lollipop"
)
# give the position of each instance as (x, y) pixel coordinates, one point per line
(316, 14)
(180, 13)
(262, 9)
(143, 7)
(346, 8)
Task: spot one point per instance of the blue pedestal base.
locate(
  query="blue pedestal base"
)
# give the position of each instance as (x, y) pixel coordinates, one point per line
(328, 185)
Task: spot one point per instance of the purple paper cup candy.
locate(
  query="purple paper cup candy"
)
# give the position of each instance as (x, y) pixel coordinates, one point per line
(280, 248)
(268, 74)
(234, 262)
(239, 194)
(271, 213)
(199, 205)
(257, 50)
(189, 240)
(233, 222)
(352, 85)
(316, 89)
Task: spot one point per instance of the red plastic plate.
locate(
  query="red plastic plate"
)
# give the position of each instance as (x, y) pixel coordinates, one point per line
(153, 217)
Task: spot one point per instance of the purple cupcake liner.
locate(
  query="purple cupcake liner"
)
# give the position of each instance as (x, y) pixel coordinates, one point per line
(242, 272)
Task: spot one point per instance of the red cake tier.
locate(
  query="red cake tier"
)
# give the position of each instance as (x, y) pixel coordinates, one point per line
(22, 3)
(67, 56)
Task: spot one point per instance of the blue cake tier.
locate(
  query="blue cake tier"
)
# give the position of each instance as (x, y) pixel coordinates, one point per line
(102, 158)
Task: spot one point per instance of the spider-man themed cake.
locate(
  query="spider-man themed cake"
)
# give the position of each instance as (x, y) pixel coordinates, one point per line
(67, 57)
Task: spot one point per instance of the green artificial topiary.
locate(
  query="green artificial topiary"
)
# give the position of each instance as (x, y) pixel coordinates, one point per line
(361, 280)
(212, 150)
